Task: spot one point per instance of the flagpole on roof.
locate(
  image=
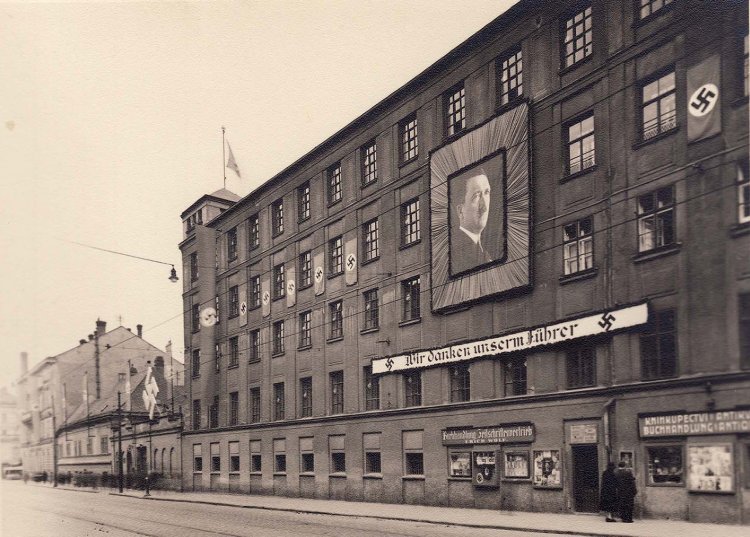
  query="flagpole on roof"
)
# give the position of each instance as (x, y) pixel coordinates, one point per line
(223, 156)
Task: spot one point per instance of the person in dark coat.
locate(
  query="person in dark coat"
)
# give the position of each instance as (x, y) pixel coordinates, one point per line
(626, 491)
(608, 495)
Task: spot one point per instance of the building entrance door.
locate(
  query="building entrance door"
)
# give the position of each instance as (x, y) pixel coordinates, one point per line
(586, 478)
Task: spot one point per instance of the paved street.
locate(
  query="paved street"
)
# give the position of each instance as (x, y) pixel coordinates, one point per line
(41, 511)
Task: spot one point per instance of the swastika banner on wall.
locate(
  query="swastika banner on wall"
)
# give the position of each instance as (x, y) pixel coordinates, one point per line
(703, 99)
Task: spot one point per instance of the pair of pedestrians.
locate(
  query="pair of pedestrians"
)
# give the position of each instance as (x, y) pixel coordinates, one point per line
(617, 493)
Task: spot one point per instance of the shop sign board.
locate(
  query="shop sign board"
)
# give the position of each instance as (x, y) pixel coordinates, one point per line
(584, 434)
(592, 325)
(501, 434)
(694, 423)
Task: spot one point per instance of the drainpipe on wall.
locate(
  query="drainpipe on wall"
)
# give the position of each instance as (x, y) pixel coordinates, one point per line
(607, 435)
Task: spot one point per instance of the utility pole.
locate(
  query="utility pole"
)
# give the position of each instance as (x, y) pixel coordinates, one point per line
(54, 444)
(119, 443)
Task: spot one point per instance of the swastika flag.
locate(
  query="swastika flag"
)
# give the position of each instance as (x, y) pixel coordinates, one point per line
(703, 99)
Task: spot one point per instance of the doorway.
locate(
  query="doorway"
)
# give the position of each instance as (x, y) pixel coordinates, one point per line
(586, 478)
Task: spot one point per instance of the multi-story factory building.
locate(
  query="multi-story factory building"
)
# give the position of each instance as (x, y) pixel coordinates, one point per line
(529, 260)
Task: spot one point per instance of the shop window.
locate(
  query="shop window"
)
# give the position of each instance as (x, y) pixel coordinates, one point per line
(307, 456)
(659, 347)
(215, 458)
(515, 376)
(197, 458)
(460, 383)
(577, 37)
(279, 455)
(234, 457)
(371, 443)
(658, 106)
(516, 464)
(372, 389)
(581, 367)
(336, 447)
(254, 405)
(665, 465)
(413, 388)
(256, 458)
(459, 463)
(413, 455)
(656, 223)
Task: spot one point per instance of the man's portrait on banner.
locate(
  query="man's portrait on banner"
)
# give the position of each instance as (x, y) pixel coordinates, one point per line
(477, 214)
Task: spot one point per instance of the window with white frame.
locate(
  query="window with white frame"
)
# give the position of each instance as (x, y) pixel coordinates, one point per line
(334, 183)
(278, 337)
(455, 109)
(410, 299)
(658, 106)
(372, 389)
(336, 318)
(649, 7)
(578, 246)
(371, 313)
(303, 201)
(234, 408)
(410, 229)
(515, 376)
(278, 401)
(232, 244)
(255, 292)
(413, 388)
(656, 225)
(305, 389)
(460, 380)
(277, 217)
(581, 146)
(510, 76)
(743, 191)
(254, 349)
(337, 392)
(408, 134)
(255, 404)
(305, 270)
(659, 346)
(578, 37)
(304, 329)
(279, 281)
(370, 242)
(197, 458)
(234, 301)
(336, 256)
(369, 155)
(234, 351)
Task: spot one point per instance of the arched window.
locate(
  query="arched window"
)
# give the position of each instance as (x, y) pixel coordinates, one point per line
(171, 461)
(163, 452)
(154, 467)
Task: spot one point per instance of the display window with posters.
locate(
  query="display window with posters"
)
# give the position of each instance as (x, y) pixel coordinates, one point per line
(485, 468)
(459, 463)
(547, 469)
(628, 457)
(665, 465)
(710, 468)
(516, 464)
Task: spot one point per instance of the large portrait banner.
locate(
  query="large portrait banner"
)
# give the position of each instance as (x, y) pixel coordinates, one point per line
(479, 206)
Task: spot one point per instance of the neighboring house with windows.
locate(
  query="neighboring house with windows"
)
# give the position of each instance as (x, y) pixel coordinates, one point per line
(10, 445)
(610, 156)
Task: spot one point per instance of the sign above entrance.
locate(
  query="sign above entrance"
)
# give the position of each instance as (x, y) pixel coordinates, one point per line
(695, 423)
(501, 434)
(592, 325)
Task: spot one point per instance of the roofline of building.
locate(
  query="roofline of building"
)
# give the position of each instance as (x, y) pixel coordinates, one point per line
(475, 41)
(206, 197)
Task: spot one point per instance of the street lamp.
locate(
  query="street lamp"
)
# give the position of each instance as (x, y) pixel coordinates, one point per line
(173, 275)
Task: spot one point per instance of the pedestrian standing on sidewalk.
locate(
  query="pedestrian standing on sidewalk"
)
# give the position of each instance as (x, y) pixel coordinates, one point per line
(608, 495)
(626, 491)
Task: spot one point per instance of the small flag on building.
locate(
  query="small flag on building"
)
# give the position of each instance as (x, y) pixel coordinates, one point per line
(231, 163)
(704, 112)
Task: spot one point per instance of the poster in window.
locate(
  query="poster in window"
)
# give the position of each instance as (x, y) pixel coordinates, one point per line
(485, 469)
(516, 464)
(547, 469)
(710, 468)
(460, 464)
(628, 458)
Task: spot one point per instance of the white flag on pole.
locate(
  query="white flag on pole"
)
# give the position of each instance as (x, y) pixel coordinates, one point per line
(231, 163)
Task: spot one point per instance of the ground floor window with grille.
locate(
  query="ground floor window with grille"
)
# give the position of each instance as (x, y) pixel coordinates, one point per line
(255, 457)
(371, 443)
(515, 376)
(279, 455)
(306, 455)
(665, 465)
(197, 458)
(413, 456)
(234, 457)
(337, 450)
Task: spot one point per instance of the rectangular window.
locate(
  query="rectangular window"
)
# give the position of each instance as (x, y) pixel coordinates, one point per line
(649, 7)
(234, 351)
(372, 389)
(234, 408)
(578, 42)
(234, 457)
(413, 456)
(371, 444)
(581, 145)
(372, 315)
(253, 235)
(254, 405)
(336, 316)
(337, 450)
(196, 414)
(459, 463)
(370, 245)
(277, 217)
(196, 363)
(234, 301)
(408, 134)
(410, 299)
(510, 76)
(303, 201)
(410, 231)
(337, 392)
(413, 388)
(460, 383)
(659, 347)
(515, 376)
(578, 246)
(232, 244)
(278, 337)
(305, 329)
(581, 367)
(217, 308)
(305, 389)
(455, 109)
(369, 155)
(334, 183)
(665, 465)
(306, 455)
(215, 457)
(255, 292)
(254, 349)
(743, 304)
(305, 270)
(104, 445)
(746, 89)
(89, 445)
(658, 106)
(256, 458)
(279, 281)
(195, 317)
(656, 219)
(217, 359)
(336, 256)
(197, 458)
(743, 191)
(213, 413)
(279, 455)
(194, 266)
(278, 401)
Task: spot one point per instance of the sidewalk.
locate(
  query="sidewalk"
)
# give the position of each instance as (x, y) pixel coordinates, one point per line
(567, 524)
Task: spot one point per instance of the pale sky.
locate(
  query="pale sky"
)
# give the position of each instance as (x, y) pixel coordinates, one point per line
(111, 127)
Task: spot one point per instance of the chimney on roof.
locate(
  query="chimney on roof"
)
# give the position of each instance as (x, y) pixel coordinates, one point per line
(81, 341)
(24, 362)
(101, 327)
(139, 329)
(159, 363)
(91, 336)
